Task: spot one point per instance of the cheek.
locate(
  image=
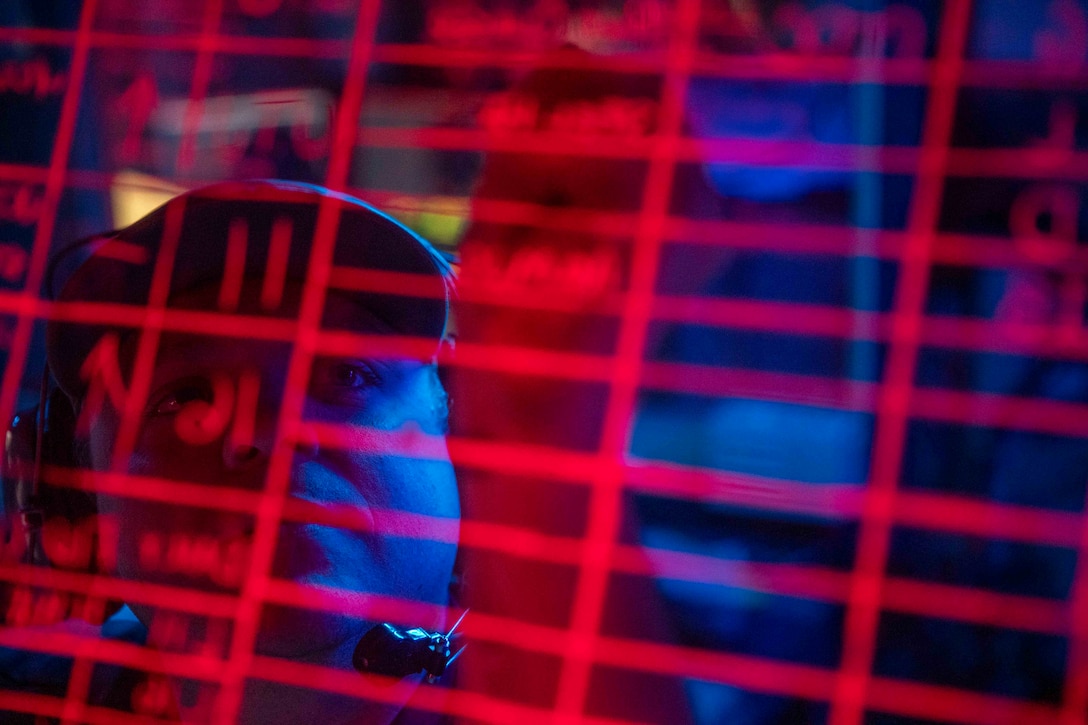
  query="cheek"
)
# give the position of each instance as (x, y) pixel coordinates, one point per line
(413, 485)
(102, 433)
(428, 545)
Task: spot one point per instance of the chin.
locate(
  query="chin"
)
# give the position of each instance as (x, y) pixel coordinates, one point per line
(308, 636)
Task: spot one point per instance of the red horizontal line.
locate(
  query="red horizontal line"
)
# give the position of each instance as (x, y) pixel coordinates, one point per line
(1027, 613)
(978, 606)
(757, 674)
(184, 599)
(1038, 162)
(912, 596)
(725, 487)
(974, 408)
(772, 316)
(804, 155)
(766, 66)
(751, 673)
(48, 706)
(798, 389)
(792, 237)
(1016, 163)
(110, 651)
(480, 708)
(1007, 412)
(917, 699)
(806, 68)
(423, 54)
(917, 597)
(780, 678)
(974, 517)
(29, 702)
(802, 239)
(940, 600)
(1019, 74)
(942, 512)
(937, 600)
(946, 331)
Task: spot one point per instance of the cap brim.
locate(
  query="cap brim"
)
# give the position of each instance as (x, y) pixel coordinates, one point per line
(230, 231)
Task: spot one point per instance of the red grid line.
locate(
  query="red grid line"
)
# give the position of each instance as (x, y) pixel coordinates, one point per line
(916, 699)
(961, 603)
(606, 501)
(774, 236)
(77, 687)
(937, 511)
(1012, 163)
(761, 674)
(977, 73)
(202, 74)
(863, 611)
(47, 706)
(272, 501)
(1075, 687)
(981, 607)
(940, 331)
(1056, 416)
(975, 408)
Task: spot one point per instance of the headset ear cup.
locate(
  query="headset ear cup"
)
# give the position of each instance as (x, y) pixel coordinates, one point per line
(76, 509)
(68, 531)
(64, 497)
(18, 483)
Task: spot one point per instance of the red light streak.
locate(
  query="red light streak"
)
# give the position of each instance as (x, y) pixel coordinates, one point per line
(859, 639)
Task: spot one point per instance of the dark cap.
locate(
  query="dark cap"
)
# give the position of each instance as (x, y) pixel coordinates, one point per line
(263, 227)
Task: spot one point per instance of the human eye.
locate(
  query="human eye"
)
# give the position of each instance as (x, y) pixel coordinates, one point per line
(174, 396)
(337, 378)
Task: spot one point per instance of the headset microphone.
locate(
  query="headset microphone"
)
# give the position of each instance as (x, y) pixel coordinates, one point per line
(394, 652)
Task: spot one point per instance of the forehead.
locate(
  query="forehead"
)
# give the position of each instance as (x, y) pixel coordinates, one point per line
(254, 297)
(221, 351)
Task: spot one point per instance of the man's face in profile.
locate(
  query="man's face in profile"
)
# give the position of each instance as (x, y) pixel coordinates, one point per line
(211, 419)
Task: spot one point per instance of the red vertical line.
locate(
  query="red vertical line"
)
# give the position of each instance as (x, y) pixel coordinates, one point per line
(606, 500)
(245, 410)
(1075, 697)
(234, 267)
(202, 73)
(863, 607)
(150, 330)
(79, 685)
(143, 365)
(270, 509)
(130, 419)
(54, 188)
(275, 270)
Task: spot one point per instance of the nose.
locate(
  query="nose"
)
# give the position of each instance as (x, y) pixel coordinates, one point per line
(249, 441)
(243, 456)
(244, 452)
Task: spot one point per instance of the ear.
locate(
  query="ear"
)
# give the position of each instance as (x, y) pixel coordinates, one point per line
(76, 537)
(439, 401)
(457, 583)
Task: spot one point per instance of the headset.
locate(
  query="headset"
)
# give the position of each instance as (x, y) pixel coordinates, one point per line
(39, 440)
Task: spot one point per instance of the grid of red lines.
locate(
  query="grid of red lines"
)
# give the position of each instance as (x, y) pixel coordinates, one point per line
(865, 591)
